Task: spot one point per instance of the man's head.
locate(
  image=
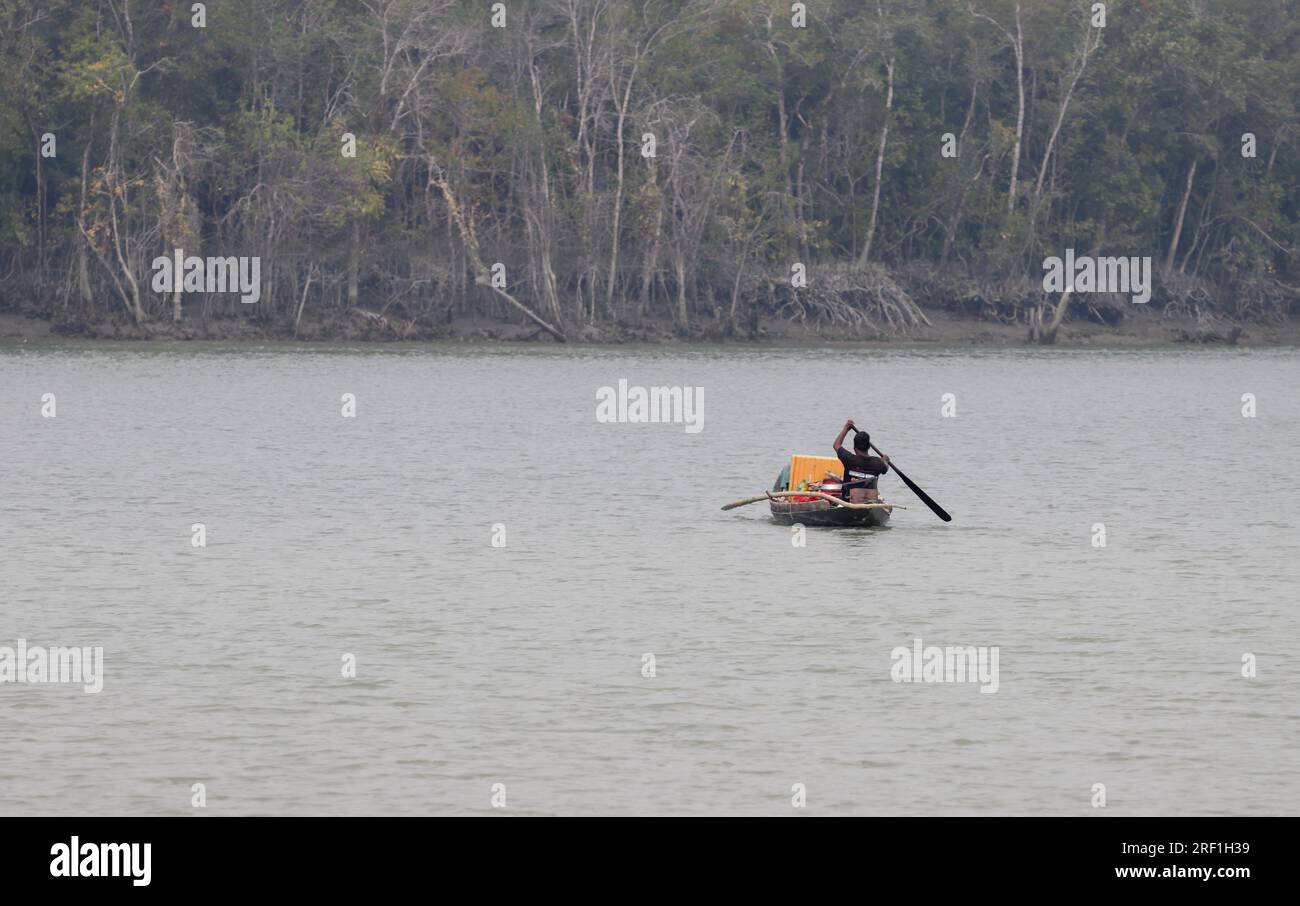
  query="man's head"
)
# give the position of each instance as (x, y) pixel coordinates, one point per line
(862, 442)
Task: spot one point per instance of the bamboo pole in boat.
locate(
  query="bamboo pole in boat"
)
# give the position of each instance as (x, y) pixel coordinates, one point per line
(769, 495)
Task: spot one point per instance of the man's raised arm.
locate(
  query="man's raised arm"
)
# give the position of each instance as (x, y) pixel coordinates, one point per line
(844, 432)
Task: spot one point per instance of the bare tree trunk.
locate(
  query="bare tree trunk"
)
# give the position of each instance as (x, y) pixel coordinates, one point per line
(1017, 42)
(880, 164)
(83, 270)
(783, 120)
(178, 216)
(1178, 222)
(482, 276)
(970, 112)
(354, 261)
(1202, 229)
(311, 272)
(550, 292)
(1085, 51)
(748, 242)
(618, 185)
(40, 212)
(1048, 335)
(1019, 46)
(1272, 154)
(132, 299)
(589, 107)
(679, 262)
(783, 125)
(650, 264)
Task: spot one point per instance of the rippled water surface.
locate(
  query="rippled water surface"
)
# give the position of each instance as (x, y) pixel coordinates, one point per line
(522, 665)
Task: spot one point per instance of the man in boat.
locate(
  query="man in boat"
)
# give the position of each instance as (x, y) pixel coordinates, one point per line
(861, 469)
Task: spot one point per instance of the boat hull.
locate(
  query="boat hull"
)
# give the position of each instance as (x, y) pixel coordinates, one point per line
(823, 513)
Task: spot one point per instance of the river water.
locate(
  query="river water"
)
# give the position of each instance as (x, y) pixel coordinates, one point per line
(524, 664)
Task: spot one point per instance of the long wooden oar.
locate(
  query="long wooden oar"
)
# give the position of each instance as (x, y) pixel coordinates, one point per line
(925, 498)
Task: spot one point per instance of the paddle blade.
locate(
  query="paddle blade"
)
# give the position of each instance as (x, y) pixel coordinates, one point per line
(925, 498)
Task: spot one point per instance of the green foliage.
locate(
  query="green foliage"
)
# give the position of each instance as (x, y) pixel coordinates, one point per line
(767, 140)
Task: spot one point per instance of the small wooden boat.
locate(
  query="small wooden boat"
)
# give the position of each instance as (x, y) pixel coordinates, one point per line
(826, 513)
(817, 508)
(809, 491)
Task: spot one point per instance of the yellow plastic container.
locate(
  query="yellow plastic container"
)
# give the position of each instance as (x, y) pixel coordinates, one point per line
(813, 468)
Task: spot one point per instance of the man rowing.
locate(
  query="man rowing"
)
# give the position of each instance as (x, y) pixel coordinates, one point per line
(861, 470)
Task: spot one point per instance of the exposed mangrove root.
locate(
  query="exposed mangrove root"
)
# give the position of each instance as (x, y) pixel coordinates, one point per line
(841, 298)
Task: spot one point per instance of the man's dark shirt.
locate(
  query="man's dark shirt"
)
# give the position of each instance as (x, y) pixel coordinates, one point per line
(858, 467)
